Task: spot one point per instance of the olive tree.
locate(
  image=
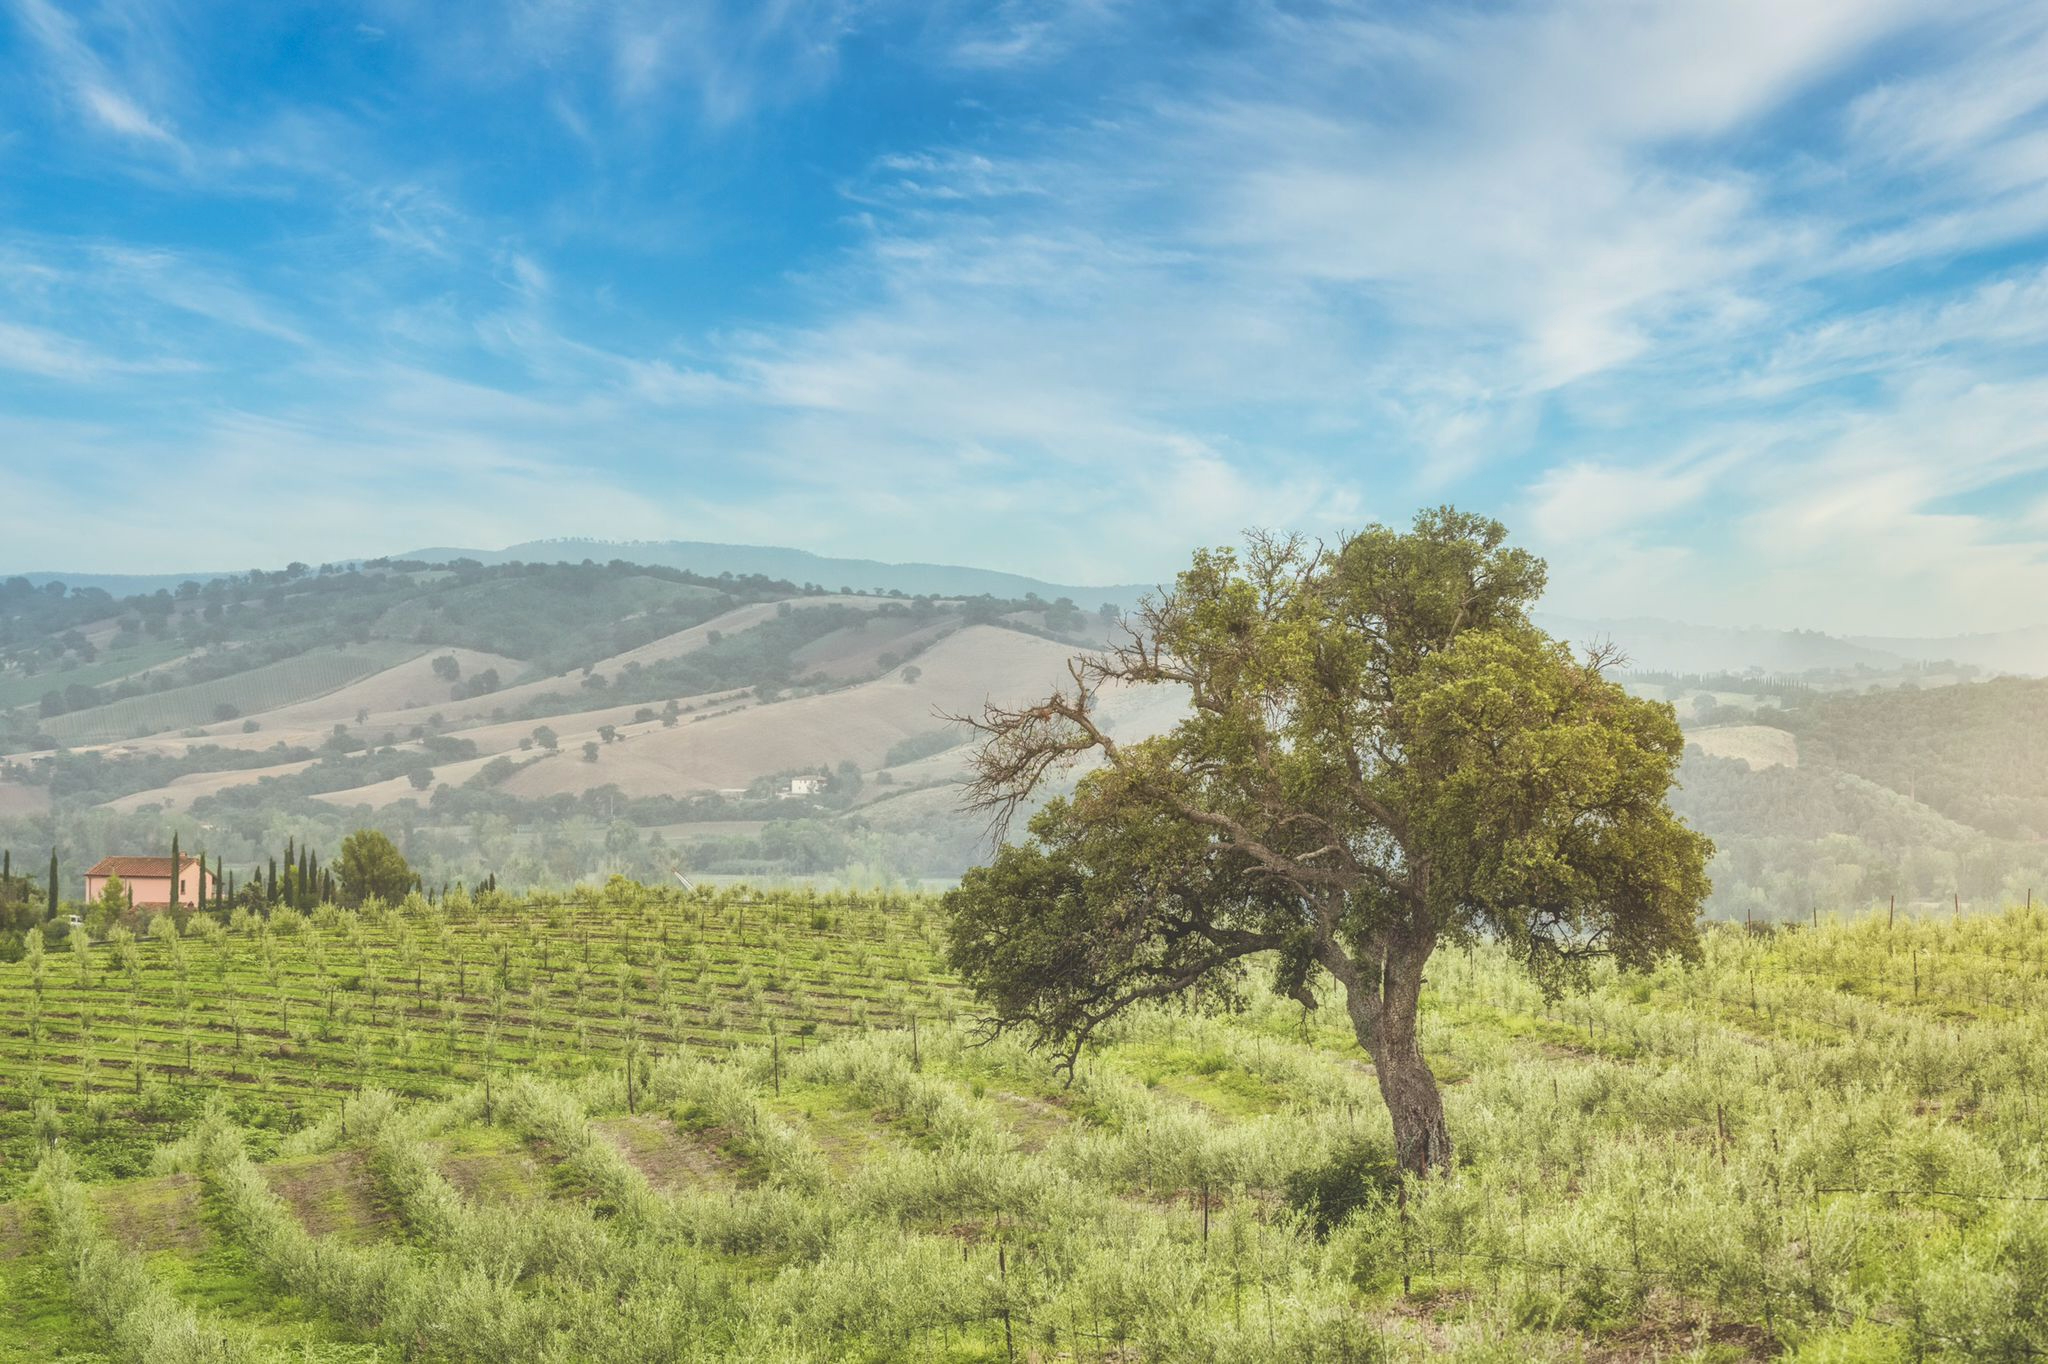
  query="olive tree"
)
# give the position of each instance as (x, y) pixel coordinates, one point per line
(1380, 754)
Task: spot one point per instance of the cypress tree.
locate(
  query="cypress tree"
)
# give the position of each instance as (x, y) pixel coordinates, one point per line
(177, 871)
(53, 883)
(6, 864)
(272, 894)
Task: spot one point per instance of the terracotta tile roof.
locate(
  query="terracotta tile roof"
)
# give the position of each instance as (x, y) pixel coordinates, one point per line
(128, 868)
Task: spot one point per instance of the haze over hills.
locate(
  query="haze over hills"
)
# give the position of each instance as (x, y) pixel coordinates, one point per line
(555, 709)
(1649, 643)
(539, 719)
(2021, 651)
(1676, 646)
(771, 561)
(799, 566)
(118, 585)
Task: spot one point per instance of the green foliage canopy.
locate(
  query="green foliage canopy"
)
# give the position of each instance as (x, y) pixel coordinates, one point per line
(370, 864)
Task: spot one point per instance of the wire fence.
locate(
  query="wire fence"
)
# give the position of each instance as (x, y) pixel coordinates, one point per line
(1789, 1306)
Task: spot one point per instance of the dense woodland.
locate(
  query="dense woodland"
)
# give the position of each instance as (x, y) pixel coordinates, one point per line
(1925, 795)
(1977, 754)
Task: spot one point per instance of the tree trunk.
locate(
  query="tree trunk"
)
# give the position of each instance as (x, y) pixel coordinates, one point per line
(1422, 1141)
(1382, 998)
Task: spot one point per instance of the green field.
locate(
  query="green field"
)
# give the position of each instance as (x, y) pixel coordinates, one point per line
(645, 1124)
(300, 678)
(115, 662)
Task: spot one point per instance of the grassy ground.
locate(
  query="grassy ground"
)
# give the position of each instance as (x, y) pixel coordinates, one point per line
(1822, 1144)
(258, 689)
(114, 663)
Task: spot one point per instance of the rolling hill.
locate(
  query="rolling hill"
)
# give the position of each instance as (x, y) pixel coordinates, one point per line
(1934, 795)
(541, 720)
(796, 565)
(711, 559)
(1675, 646)
(317, 672)
(619, 686)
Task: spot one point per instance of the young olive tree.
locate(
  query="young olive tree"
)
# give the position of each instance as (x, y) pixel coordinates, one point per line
(1381, 754)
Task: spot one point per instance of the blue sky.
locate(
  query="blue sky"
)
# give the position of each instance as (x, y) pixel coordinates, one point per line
(1737, 311)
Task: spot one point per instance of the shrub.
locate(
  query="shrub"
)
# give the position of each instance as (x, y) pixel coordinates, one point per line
(1359, 1174)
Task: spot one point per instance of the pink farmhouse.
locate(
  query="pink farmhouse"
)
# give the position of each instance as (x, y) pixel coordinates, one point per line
(148, 879)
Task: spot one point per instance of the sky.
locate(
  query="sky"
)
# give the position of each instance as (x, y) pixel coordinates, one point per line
(1736, 311)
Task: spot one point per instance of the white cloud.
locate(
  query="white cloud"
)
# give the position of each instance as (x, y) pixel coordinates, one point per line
(32, 350)
(1891, 520)
(86, 78)
(1686, 292)
(53, 355)
(1579, 502)
(726, 62)
(120, 114)
(1029, 33)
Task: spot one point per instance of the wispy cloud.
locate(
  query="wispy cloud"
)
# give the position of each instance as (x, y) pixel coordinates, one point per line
(1706, 300)
(725, 61)
(52, 355)
(1014, 34)
(87, 80)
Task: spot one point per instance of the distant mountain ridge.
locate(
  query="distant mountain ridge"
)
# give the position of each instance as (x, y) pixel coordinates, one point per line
(696, 556)
(1650, 643)
(119, 585)
(798, 566)
(2008, 651)
(1654, 644)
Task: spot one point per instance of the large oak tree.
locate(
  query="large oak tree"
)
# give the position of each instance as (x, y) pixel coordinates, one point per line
(1381, 754)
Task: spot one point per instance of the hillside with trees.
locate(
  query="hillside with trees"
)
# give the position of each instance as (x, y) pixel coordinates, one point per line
(1928, 795)
(1977, 754)
(588, 708)
(549, 721)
